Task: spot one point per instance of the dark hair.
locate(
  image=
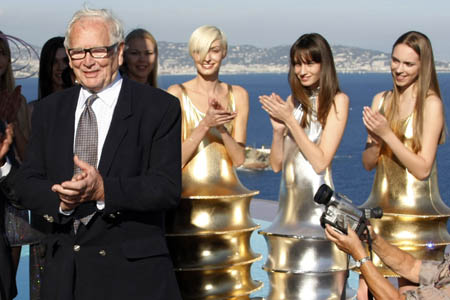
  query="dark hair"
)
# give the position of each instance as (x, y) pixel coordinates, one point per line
(313, 47)
(426, 83)
(47, 59)
(7, 80)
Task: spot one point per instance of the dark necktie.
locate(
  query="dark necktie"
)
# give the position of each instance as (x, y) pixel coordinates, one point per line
(86, 144)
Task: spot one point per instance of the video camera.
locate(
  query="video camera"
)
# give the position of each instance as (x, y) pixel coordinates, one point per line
(341, 213)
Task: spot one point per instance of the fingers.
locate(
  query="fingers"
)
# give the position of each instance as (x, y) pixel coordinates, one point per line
(66, 192)
(81, 164)
(277, 98)
(67, 206)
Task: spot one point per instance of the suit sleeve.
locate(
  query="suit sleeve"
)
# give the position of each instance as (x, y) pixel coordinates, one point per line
(31, 184)
(159, 188)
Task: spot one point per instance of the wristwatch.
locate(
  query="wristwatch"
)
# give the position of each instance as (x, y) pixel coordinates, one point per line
(361, 261)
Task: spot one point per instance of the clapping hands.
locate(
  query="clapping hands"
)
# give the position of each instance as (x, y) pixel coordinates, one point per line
(216, 115)
(376, 124)
(85, 186)
(278, 109)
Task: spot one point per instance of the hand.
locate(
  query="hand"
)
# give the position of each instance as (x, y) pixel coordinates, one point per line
(277, 109)
(374, 139)
(6, 140)
(373, 235)
(86, 186)
(216, 115)
(376, 124)
(277, 124)
(350, 243)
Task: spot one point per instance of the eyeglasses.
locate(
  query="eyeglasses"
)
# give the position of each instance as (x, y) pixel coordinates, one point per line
(96, 52)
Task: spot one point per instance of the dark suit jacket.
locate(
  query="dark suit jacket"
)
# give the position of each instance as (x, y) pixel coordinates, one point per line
(122, 253)
(7, 281)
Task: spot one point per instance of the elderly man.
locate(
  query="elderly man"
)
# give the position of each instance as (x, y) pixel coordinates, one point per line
(433, 277)
(104, 165)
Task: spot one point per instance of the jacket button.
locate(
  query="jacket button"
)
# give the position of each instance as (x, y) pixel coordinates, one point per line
(102, 252)
(48, 218)
(76, 248)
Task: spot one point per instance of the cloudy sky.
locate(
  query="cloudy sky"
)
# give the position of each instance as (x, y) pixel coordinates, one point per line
(265, 23)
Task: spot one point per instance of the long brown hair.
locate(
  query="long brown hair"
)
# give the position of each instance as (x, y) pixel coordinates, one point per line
(426, 84)
(313, 47)
(7, 80)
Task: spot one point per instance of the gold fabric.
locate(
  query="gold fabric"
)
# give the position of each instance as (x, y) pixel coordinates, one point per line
(415, 216)
(209, 234)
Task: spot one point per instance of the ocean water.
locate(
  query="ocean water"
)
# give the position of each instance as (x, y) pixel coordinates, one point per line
(349, 176)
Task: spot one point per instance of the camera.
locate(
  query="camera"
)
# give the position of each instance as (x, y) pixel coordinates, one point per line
(341, 213)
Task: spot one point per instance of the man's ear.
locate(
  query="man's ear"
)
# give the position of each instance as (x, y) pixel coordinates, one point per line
(120, 49)
(70, 59)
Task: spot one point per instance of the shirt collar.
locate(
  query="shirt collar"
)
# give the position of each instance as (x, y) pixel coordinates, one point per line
(108, 95)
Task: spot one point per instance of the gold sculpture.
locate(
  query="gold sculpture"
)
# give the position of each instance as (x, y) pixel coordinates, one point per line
(415, 216)
(209, 234)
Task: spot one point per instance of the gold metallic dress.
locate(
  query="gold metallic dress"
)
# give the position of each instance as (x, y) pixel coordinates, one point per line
(415, 217)
(302, 263)
(209, 234)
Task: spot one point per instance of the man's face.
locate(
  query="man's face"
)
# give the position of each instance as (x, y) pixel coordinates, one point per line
(94, 74)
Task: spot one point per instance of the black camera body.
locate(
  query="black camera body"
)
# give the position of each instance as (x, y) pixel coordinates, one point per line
(340, 212)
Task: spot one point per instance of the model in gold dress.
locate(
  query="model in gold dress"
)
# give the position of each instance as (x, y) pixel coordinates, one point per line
(405, 127)
(209, 234)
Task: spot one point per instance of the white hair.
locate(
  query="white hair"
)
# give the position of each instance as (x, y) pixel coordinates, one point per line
(116, 32)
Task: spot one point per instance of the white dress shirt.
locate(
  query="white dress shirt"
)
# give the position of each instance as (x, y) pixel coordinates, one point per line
(103, 108)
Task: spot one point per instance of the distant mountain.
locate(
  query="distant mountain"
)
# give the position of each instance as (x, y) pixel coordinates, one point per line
(174, 59)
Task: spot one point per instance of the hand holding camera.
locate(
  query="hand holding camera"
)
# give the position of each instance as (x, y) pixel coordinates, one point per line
(341, 214)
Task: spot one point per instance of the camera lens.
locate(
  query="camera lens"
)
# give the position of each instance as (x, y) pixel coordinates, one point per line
(323, 194)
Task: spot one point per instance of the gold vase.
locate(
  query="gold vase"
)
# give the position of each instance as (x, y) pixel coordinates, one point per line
(209, 234)
(415, 217)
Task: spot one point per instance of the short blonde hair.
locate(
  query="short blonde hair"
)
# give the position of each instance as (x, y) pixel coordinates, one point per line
(202, 38)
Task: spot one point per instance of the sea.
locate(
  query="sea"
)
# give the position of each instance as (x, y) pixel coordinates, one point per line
(349, 176)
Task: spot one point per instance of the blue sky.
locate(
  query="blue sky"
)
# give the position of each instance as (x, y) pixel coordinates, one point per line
(265, 23)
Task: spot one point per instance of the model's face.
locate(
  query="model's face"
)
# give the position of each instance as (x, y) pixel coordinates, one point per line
(211, 64)
(94, 73)
(59, 64)
(4, 60)
(405, 65)
(308, 72)
(140, 57)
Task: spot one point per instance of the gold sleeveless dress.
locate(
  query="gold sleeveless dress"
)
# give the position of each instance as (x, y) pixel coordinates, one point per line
(209, 234)
(415, 216)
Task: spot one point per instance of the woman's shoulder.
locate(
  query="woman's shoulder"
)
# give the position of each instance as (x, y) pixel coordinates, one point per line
(341, 97)
(433, 102)
(239, 93)
(379, 97)
(176, 90)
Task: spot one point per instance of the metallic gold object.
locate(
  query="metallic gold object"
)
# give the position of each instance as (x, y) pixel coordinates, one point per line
(415, 216)
(302, 263)
(209, 234)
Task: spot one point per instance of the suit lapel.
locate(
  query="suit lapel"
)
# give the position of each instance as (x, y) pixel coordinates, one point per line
(117, 129)
(65, 132)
